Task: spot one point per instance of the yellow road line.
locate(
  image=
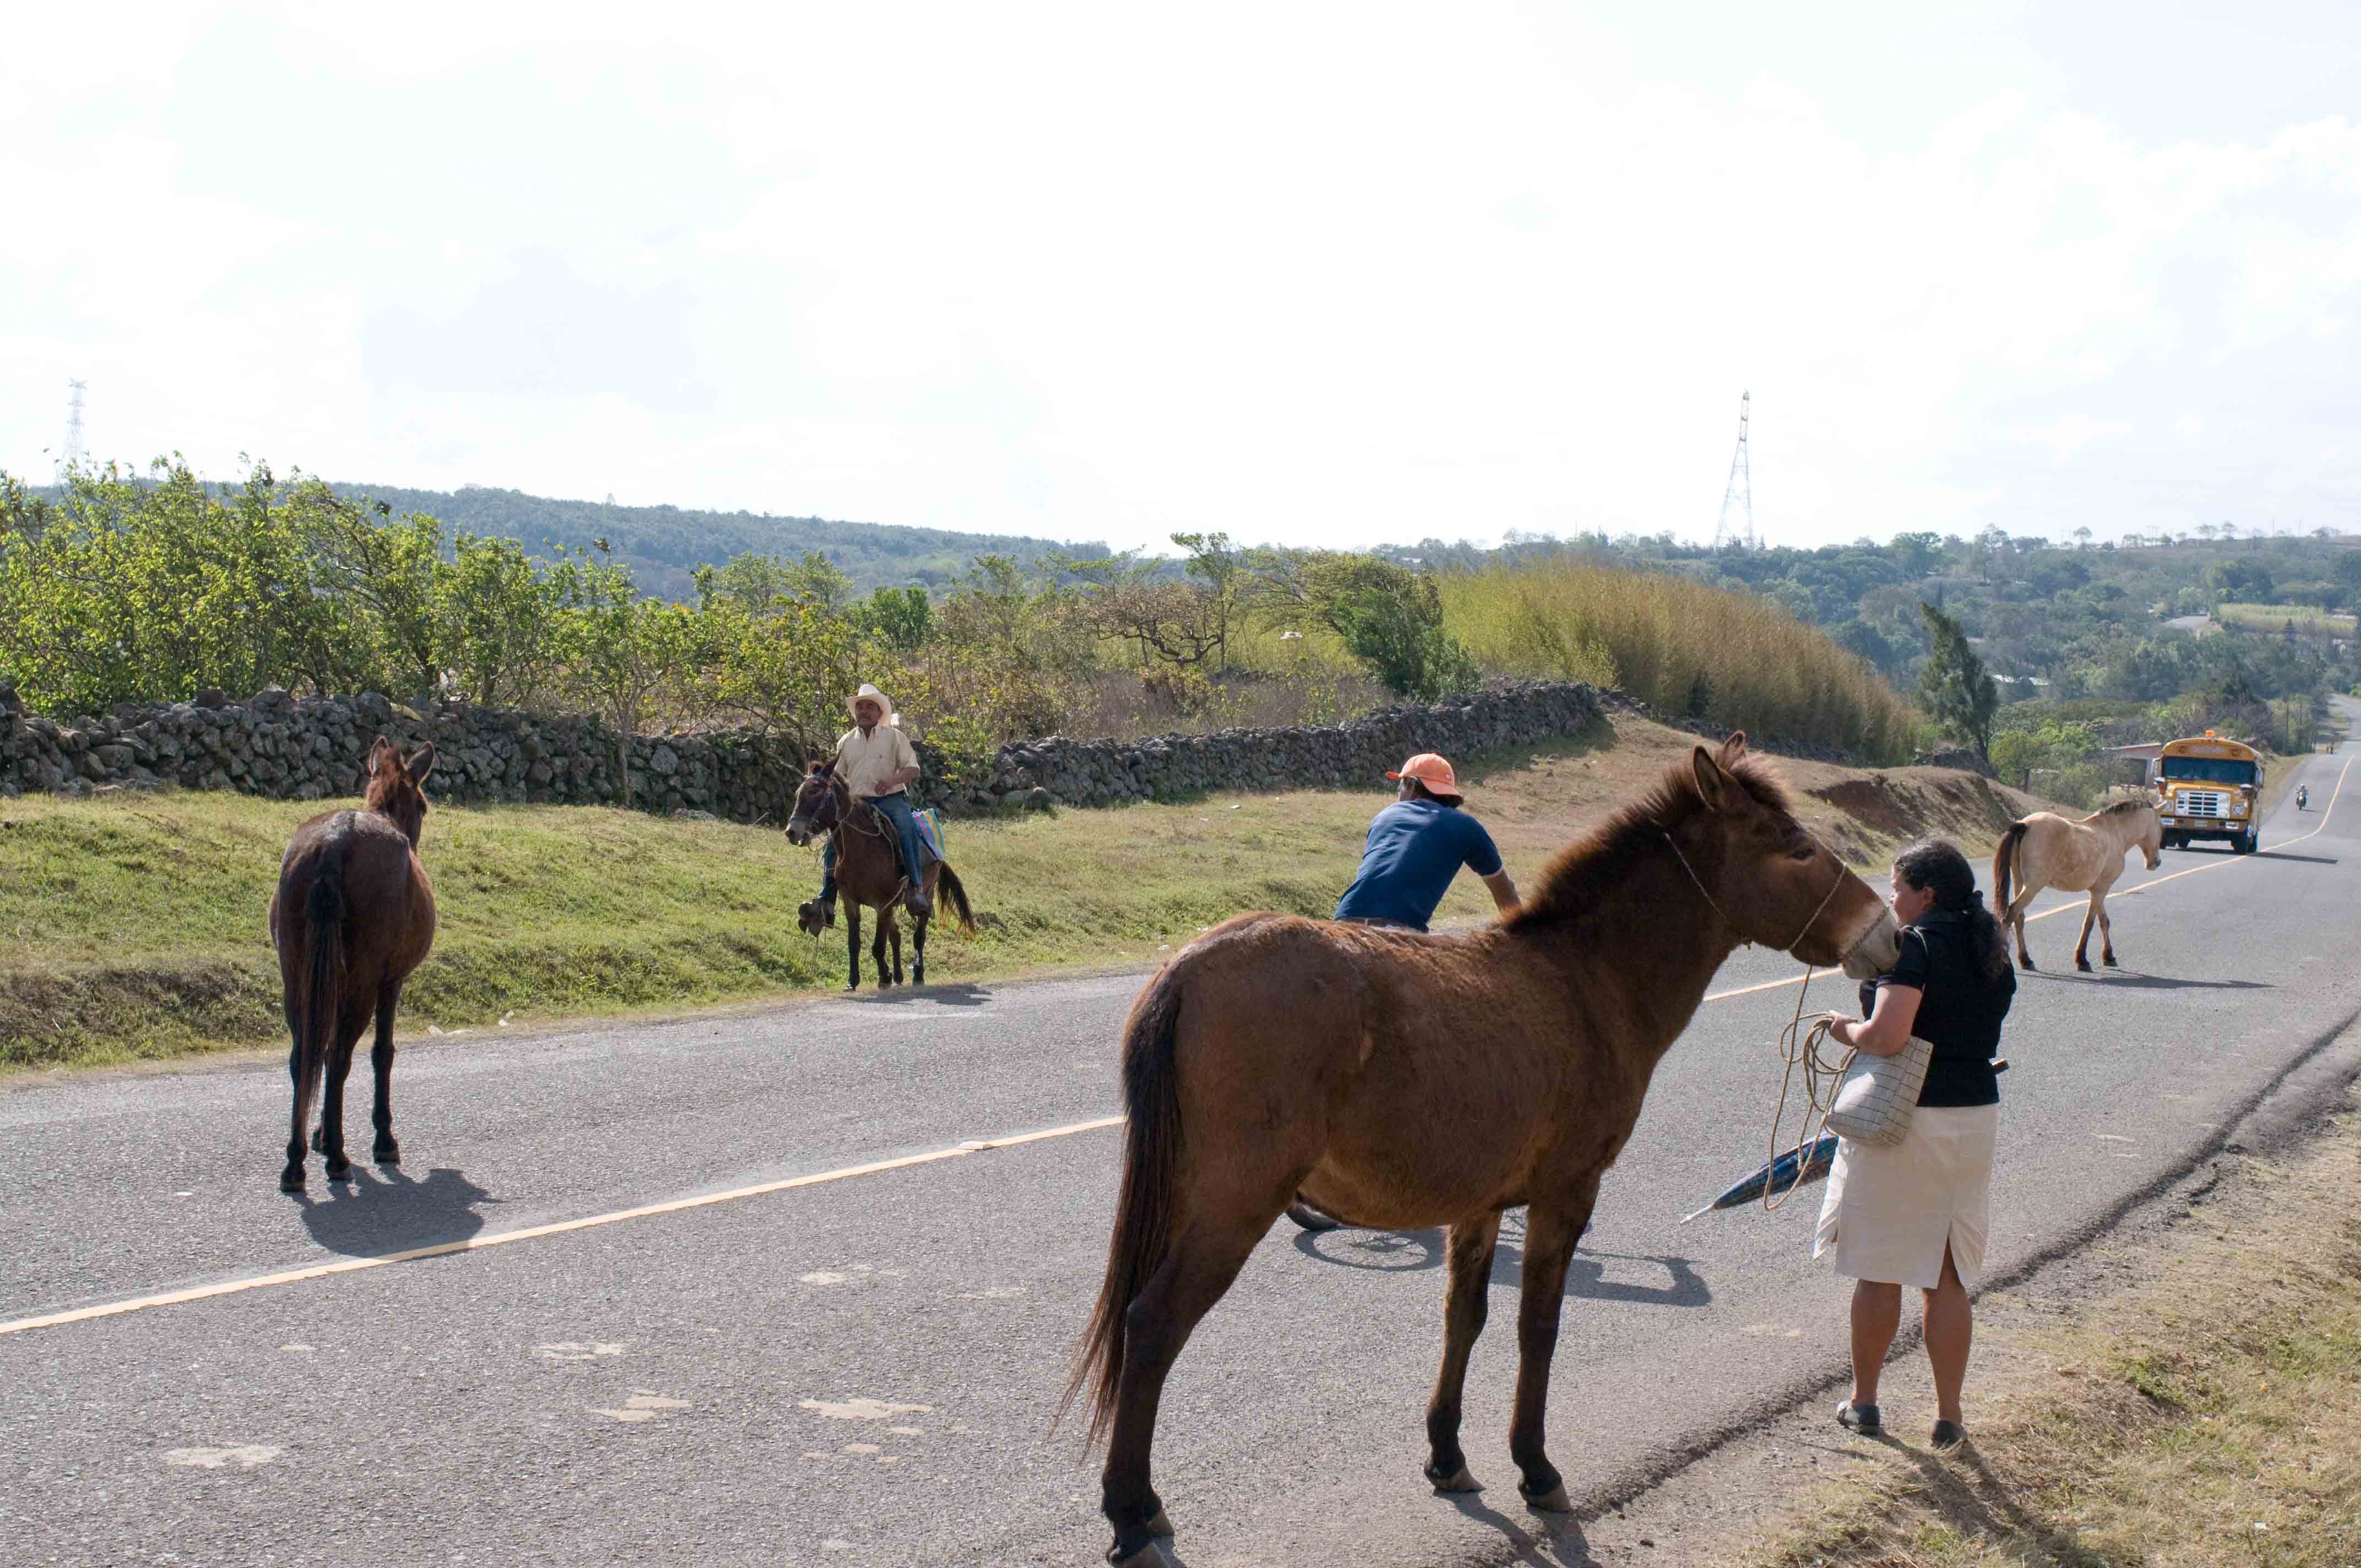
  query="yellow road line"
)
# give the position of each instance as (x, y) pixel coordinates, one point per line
(843, 1173)
(531, 1233)
(2083, 904)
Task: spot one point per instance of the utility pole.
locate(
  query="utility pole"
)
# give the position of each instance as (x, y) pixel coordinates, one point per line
(1740, 491)
(75, 454)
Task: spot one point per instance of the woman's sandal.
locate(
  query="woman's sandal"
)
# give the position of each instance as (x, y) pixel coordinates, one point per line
(1947, 1436)
(1862, 1418)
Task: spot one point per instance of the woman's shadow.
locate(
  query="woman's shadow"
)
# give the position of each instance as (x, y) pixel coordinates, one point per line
(382, 1212)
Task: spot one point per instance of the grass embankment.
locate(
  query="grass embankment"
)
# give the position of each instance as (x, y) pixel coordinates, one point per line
(2210, 1416)
(2310, 619)
(132, 927)
(1681, 647)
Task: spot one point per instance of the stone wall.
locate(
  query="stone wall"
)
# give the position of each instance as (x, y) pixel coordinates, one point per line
(275, 745)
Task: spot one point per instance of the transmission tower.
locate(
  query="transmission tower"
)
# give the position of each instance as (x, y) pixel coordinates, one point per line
(75, 454)
(1740, 492)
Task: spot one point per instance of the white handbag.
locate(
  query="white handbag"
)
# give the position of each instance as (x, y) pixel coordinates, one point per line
(1874, 1107)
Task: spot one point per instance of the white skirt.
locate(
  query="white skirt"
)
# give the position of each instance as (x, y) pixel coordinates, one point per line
(1891, 1209)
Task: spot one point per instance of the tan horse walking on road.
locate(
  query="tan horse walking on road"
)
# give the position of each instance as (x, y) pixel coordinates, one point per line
(1410, 1080)
(868, 873)
(2045, 850)
(353, 915)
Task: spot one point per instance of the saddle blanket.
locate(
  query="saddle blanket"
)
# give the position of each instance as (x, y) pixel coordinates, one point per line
(930, 831)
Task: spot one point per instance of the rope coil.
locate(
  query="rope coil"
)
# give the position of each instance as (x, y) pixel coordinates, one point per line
(1799, 1046)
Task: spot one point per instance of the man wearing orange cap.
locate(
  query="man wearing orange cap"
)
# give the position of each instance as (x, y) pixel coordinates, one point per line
(1416, 846)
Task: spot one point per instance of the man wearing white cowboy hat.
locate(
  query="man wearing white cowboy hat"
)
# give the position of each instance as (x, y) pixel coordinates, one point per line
(875, 759)
(1416, 846)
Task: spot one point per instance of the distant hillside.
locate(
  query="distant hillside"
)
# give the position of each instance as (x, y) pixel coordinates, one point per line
(662, 543)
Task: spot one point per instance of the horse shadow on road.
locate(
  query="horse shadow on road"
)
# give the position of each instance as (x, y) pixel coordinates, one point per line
(959, 994)
(1554, 1543)
(1414, 1252)
(2307, 859)
(2153, 981)
(374, 1214)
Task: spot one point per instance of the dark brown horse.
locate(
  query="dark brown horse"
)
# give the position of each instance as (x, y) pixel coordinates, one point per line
(868, 873)
(352, 917)
(1410, 1080)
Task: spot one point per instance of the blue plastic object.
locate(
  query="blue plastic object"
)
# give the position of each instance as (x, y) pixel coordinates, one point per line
(1779, 1176)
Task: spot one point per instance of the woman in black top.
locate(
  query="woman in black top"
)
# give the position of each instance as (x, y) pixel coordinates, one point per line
(1914, 1212)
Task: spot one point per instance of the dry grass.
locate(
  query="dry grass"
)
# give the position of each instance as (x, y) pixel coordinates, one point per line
(2211, 1417)
(1682, 647)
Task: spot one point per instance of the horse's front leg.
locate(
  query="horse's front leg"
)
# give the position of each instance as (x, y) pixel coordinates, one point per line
(1550, 1230)
(2083, 944)
(895, 930)
(2106, 927)
(878, 947)
(853, 942)
(384, 1149)
(919, 950)
(1471, 1248)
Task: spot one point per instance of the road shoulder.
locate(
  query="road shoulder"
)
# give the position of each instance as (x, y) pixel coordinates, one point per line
(2103, 1396)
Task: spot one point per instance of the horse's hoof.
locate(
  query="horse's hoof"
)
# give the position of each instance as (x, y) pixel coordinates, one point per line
(2084, 966)
(1553, 1501)
(2110, 961)
(1459, 1480)
(291, 1179)
(1134, 1550)
(2025, 964)
(339, 1170)
(1161, 1525)
(387, 1153)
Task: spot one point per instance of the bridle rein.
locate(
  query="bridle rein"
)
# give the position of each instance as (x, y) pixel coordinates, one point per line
(1813, 919)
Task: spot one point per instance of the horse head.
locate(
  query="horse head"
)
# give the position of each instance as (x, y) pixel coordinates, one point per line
(2151, 835)
(395, 786)
(1778, 885)
(820, 803)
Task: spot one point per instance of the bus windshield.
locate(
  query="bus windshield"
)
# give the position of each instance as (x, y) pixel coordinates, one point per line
(2210, 769)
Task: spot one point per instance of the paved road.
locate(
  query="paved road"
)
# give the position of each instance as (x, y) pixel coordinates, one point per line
(862, 1369)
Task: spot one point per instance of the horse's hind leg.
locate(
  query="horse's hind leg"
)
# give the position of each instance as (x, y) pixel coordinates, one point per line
(878, 947)
(896, 930)
(2083, 945)
(1551, 1232)
(384, 1149)
(919, 950)
(1472, 1245)
(330, 1138)
(2106, 932)
(2015, 921)
(1192, 1277)
(853, 942)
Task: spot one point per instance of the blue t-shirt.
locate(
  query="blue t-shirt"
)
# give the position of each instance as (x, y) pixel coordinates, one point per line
(1415, 848)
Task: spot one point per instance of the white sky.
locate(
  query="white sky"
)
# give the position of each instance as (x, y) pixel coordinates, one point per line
(1315, 274)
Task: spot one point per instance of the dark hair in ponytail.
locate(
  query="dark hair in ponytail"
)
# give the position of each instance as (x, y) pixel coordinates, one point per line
(1933, 865)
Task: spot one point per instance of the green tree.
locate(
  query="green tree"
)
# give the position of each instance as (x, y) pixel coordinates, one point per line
(789, 672)
(1388, 617)
(622, 654)
(902, 617)
(1954, 684)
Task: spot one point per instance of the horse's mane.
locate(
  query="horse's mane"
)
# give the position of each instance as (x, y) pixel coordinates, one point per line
(1580, 876)
(2125, 807)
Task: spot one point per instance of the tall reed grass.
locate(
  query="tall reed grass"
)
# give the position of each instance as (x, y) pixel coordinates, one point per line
(1686, 648)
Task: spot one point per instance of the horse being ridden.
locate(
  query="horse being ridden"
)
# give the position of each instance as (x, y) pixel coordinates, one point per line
(352, 917)
(1411, 1080)
(868, 871)
(2045, 850)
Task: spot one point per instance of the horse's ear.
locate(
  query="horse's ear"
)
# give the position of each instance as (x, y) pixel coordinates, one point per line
(1714, 787)
(814, 765)
(420, 763)
(1732, 749)
(380, 749)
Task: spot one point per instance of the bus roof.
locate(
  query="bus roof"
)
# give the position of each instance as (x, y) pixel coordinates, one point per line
(2211, 746)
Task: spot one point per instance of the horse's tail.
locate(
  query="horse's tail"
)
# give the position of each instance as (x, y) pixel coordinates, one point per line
(1144, 1210)
(2004, 864)
(949, 886)
(324, 984)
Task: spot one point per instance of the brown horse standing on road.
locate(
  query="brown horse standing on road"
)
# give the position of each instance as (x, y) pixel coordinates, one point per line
(352, 917)
(868, 871)
(2045, 850)
(1411, 1080)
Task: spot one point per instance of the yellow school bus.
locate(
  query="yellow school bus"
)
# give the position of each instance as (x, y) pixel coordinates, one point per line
(2209, 787)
